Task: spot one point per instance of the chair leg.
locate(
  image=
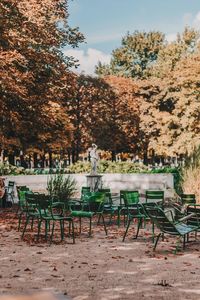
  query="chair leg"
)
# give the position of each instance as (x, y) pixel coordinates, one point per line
(124, 218)
(39, 228)
(32, 223)
(118, 217)
(80, 225)
(184, 241)
(99, 218)
(188, 235)
(27, 221)
(46, 229)
(110, 220)
(138, 228)
(104, 224)
(127, 227)
(177, 245)
(62, 229)
(20, 220)
(70, 227)
(153, 232)
(157, 239)
(52, 232)
(73, 235)
(90, 231)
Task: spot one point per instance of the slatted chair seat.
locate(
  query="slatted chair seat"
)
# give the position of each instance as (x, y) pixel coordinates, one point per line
(185, 229)
(84, 214)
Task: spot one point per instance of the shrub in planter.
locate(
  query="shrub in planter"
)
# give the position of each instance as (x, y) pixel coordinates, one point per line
(60, 187)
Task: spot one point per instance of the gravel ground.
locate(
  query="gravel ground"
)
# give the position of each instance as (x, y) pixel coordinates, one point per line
(97, 268)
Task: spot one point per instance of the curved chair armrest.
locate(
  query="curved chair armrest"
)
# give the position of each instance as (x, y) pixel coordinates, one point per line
(181, 220)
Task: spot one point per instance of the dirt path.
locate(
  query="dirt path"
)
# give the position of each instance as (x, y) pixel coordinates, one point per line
(97, 268)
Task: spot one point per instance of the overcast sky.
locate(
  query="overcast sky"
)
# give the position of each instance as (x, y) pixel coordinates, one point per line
(105, 22)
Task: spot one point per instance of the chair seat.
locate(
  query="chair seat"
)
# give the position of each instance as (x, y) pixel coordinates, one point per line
(184, 229)
(137, 216)
(108, 207)
(81, 213)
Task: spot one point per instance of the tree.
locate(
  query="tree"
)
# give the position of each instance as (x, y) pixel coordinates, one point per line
(124, 117)
(136, 55)
(184, 45)
(87, 110)
(170, 118)
(33, 70)
(103, 112)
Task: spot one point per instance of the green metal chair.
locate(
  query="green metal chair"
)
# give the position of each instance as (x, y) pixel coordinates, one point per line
(22, 205)
(175, 228)
(195, 219)
(109, 207)
(52, 213)
(188, 199)
(92, 205)
(126, 197)
(31, 207)
(134, 210)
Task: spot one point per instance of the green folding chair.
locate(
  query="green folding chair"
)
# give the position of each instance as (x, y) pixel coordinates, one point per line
(170, 226)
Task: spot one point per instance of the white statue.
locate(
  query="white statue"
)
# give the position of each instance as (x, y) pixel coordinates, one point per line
(94, 157)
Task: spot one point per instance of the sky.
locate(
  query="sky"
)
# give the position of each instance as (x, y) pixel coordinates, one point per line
(105, 22)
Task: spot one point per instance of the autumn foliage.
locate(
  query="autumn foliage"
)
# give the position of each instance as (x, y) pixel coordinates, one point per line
(145, 102)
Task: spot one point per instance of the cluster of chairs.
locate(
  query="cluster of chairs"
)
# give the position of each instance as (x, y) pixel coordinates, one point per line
(179, 220)
(44, 209)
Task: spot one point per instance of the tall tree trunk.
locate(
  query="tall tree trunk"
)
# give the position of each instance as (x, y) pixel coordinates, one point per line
(50, 160)
(11, 158)
(113, 155)
(145, 154)
(73, 155)
(35, 160)
(69, 156)
(42, 161)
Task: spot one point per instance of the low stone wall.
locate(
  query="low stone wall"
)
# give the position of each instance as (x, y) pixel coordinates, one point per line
(115, 182)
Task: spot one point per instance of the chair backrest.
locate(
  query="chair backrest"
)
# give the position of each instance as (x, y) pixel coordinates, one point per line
(22, 188)
(130, 197)
(107, 192)
(154, 196)
(96, 202)
(188, 199)
(122, 193)
(194, 220)
(157, 216)
(31, 200)
(86, 196)
(22, 196)
(10, 187)
(44, 204)
(85, 189)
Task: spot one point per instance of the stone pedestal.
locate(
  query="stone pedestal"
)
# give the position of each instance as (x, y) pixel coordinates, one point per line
(94, 182)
